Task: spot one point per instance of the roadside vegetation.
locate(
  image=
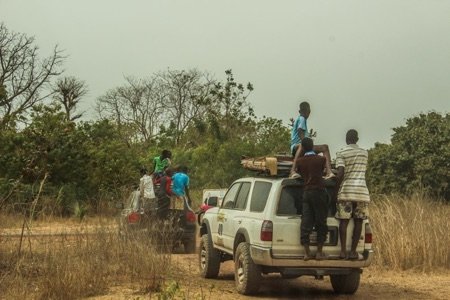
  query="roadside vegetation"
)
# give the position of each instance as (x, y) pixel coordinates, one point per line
(82, 261)
(411, 232)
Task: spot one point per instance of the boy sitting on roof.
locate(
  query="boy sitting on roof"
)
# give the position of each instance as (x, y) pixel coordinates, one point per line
(298, 133)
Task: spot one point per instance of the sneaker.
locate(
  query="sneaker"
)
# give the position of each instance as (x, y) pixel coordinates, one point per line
(294, 175)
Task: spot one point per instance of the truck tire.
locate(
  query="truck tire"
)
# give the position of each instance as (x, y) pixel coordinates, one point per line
(209, 258)
(346, 284)
(247, 274)
(189, 246)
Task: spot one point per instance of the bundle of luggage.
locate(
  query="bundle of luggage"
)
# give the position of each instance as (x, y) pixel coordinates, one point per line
(278, 165)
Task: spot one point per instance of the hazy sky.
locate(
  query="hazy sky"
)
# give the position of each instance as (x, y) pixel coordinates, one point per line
(367, 65)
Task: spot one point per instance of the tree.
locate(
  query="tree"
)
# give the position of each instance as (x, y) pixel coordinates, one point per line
(112, 163)
(272, 136)
(161, 107)
(2, 93)
(213, 145)
(418, 157)
(51, 146)
(68, 91)
(185, 96)
(23, 75)
(229, 106)
(135, 105)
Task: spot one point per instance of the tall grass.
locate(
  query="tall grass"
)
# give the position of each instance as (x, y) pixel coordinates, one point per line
(411, 232)
(72, 266)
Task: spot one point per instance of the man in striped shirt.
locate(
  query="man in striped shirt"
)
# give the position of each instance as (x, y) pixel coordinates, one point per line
(353, 196)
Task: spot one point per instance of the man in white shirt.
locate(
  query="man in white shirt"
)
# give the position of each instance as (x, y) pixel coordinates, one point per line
(147, 191)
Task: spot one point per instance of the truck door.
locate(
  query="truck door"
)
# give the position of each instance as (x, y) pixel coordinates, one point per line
(230, 215)
(223, 215)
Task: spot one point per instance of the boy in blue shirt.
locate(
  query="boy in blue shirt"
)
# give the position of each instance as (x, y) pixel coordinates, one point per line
(298, 133)
(181, 184)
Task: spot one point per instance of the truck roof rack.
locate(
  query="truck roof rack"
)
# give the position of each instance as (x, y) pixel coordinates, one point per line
(277, 165)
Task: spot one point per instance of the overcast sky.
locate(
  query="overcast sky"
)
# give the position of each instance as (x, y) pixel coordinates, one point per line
(367, 65)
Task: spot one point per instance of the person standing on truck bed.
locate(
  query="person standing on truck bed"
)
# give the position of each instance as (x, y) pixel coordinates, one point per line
(315, 198)
(181, 185)
(160, 164)
(353, 195)
(298, 133)
(164, 193)
(146, 191)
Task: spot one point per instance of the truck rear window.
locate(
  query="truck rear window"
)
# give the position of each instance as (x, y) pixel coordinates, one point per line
(290, 201)
(260, 195)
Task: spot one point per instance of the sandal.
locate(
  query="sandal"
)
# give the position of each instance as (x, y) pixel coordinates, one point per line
(294, 175)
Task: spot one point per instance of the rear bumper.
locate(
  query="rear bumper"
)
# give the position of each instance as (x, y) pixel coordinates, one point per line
(263, 256)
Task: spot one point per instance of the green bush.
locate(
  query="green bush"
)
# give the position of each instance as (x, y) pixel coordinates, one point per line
(418, 157)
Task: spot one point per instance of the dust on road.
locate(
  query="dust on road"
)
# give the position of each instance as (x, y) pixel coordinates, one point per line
(375, 284)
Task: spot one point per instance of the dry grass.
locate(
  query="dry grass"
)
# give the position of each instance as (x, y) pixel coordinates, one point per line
(72, 266)
(411, 232)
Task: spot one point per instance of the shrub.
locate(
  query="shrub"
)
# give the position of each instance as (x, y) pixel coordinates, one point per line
(418, 156)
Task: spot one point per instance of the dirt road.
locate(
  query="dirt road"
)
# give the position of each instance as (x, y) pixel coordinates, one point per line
(186, 283)
(374, 285)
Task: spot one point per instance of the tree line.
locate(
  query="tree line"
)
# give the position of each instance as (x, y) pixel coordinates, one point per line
(207, 123)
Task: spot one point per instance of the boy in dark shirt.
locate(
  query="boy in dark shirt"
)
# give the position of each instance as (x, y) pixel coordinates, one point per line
(315, 198)
(164, 193)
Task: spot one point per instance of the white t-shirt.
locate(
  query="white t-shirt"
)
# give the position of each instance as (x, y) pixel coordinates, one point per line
(146, 185)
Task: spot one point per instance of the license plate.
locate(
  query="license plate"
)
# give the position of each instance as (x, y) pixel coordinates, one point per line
(313, 238)
(331, 239)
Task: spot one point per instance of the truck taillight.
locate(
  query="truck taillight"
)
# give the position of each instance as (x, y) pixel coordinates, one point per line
(190, 217)
(368, 234)
(133, 218)
(266, 231)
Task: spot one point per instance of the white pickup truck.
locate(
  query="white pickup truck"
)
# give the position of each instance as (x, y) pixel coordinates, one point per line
(258, 226)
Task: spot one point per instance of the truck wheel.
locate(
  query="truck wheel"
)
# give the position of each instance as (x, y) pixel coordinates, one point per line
(346, 284)
(189, 246)
(247, 274)
(209, 258)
